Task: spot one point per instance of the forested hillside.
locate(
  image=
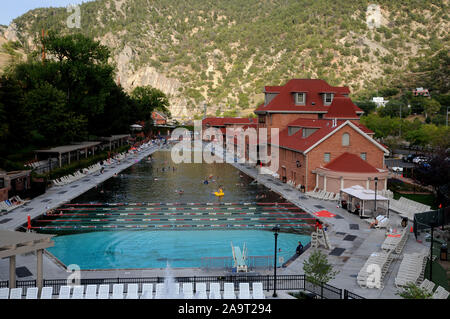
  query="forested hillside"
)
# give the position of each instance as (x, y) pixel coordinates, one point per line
(223, 52)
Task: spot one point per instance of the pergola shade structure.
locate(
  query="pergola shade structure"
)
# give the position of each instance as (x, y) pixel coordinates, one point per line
(115, 140)
(68, 149)
(13, 243)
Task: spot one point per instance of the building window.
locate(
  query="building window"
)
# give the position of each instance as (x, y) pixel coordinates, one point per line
(326, 157)
(261, 119)
(300, 98)
(327, 98)
(364, 156)
(345, 139)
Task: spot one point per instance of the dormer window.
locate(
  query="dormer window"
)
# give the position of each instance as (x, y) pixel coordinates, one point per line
(300, 98)
(327, 98)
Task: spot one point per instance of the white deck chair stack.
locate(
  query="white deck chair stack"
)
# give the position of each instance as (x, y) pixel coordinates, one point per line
(228, 291)
(395, 244)
(257, 289)
(147, 291)
(159, 291)
(374, 270)
(15, 293)
(201, 290)
(411, 269)
(132, 291)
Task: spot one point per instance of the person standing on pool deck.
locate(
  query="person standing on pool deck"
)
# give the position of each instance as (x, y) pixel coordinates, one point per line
(299, 249)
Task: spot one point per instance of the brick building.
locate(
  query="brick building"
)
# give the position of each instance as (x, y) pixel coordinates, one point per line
(321, 143)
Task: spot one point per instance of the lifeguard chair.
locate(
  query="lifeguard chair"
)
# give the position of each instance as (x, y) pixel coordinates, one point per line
(239, 258)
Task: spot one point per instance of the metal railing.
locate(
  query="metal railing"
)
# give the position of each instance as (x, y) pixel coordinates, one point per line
(284, 282)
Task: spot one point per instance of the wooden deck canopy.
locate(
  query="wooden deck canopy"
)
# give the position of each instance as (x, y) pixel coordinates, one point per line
(71, 148)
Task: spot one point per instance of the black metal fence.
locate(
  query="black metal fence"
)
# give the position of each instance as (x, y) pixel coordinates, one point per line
(284, 282)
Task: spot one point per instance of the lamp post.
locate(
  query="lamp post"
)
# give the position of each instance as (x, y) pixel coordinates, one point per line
(376, 186)
(276, 229)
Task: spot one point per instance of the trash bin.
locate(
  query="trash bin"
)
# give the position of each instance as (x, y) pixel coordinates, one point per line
(404, 222)
(444, 253)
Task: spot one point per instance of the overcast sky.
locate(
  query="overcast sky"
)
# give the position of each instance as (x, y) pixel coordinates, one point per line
(13, 8)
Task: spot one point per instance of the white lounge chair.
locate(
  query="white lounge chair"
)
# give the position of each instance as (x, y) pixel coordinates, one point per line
(64, 292)
(47, 293)
(32, 293)
(78, 292)
(214, 291)
(4, 293)
(132, 291)
(103, 292)
(244, 291)
(440, 293)
(427, 285)
(257, 289)
(91, 292)
(117, 291)
(228, 291)
(159, 291)
(147, 291)
(188, 291)
(15, 293)
(201, 290)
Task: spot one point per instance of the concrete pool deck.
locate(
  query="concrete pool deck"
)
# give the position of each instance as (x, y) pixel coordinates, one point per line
(349, 263)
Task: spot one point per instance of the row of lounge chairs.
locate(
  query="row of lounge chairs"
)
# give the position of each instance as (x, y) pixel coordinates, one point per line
(412, 269)
(374, 270)
(407, 208)
(103, 292)
(323, 195)
(76, 176)
(12, 203)
(381, 221)
(395, 242)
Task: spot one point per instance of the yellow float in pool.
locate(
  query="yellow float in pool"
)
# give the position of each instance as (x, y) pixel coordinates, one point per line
(220, 193)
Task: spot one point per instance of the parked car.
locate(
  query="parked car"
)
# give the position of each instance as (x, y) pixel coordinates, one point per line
(397, 169)
(420, 159)
(410, 158)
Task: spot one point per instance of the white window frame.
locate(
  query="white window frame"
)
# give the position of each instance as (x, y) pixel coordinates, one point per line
(303, 101)
(325, 95)
(364, 156)
(326, 156)
(348, 142)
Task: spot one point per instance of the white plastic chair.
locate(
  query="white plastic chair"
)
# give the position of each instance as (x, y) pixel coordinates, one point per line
(64, 292)
(103, 292)
(132, 291)
(228, 291)
(91, 292)
(4, 293)
(47, 293)
(78, 292)
(188, 292)
(32, 293)
(117, 291)
(147, 291)
(159, 291)
(15, 293)
(244, 291)
(258, 292)
(201, 290)
(214, 291)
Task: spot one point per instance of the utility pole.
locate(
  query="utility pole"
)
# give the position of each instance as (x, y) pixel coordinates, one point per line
(400, 120)
(446, 119)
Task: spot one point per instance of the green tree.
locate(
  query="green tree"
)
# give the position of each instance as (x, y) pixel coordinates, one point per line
(367, 106)
(317, 269)
(148, 99)
(431, 106)
(412, 291)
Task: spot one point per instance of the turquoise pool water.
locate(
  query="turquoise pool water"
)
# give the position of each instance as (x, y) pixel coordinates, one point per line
(153, 249)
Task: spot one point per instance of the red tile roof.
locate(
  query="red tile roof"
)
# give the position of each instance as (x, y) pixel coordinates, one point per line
(343, 108)
(352, 163)
(284, 101)
(222, 121)
(298, 143)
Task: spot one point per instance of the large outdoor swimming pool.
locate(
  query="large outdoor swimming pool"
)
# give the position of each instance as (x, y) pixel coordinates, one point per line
(134, 231)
